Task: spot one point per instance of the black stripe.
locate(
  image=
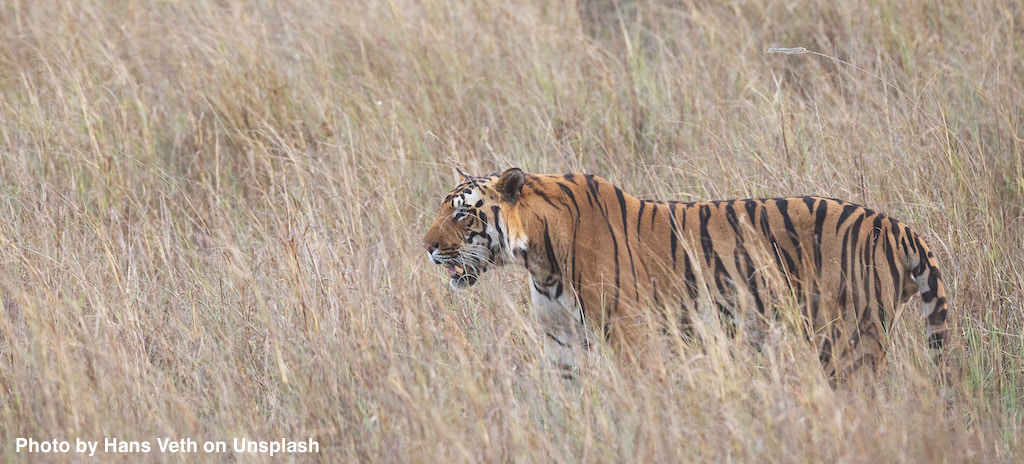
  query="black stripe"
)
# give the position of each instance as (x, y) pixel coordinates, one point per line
(933, 286)
(575, 229)
(783, 205)
(819, 224)
(922, 261)
(878, 295)
(544, 197)
(741, 258)
(938, 315)
(728, 292)
(876, 233)
(853, 274)
(844, 272)
(733, 220)
(497, 224)
(912, 243)
(572, 197)
(622, 208)
(639, 217)
(615, 253)
(625, 232)
(706, 242)
(783, 260)
(654, 213)
(559, 342)
(871, 277)
(577, 279)
(672, 238)
(572, 272)
(897, 237)
(848, 209)
(750, 276)
(481, 216)
(809, 201)
(550, 251)
(594, 189)
(894, 270)
(541, 290)
(751, 206)
(690, 276)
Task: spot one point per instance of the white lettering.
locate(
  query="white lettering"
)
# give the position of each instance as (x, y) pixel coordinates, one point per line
(81, 446)
(32, 446)
(282, 445)
(185, 445)
(113, 445)
(215, 446)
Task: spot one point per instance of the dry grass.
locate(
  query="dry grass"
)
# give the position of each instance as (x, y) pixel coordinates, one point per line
(210, 215)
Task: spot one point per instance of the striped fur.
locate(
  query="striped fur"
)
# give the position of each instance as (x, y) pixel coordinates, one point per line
(601, 261)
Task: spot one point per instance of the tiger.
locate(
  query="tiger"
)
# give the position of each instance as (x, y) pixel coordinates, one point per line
(605, 264)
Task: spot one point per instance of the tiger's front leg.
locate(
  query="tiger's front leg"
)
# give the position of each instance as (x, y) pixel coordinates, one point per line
(561, 319)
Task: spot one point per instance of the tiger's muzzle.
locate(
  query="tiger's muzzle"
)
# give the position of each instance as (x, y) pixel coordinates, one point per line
(463, 271)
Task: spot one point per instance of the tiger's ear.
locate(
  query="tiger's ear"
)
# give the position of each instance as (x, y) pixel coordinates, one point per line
(510, 184)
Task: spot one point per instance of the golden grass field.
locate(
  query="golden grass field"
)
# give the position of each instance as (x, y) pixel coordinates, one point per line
(211, 213)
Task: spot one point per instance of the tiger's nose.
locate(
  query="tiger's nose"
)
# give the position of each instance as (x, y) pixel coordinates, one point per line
(430, 247)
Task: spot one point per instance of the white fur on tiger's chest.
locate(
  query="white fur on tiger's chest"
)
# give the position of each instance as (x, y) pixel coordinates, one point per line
(561, 318)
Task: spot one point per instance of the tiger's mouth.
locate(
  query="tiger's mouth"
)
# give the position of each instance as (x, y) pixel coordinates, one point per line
(462, 276)
(464, 265)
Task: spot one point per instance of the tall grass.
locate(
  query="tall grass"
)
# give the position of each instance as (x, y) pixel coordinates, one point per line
(211, 215)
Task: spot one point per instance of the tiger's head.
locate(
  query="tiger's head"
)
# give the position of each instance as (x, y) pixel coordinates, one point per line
(472, 231)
